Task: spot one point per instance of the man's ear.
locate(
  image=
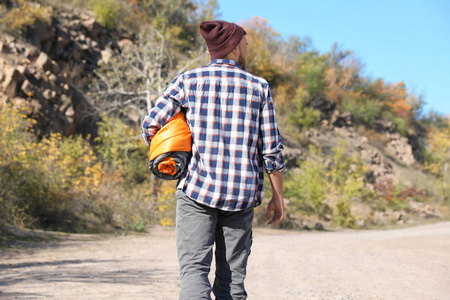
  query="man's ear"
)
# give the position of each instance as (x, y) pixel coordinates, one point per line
(235, 50)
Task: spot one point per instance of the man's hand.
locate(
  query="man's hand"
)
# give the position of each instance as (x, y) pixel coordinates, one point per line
(276, 205)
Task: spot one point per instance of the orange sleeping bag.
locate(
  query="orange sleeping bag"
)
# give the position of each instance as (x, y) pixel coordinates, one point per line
(170, 148)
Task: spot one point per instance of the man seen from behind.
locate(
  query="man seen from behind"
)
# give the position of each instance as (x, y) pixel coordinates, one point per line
(235, 137)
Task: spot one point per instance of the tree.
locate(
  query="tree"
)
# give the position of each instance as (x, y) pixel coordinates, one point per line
(263, 41)
(130, 82)
(439, 163)
(342, 75)
(177, 20)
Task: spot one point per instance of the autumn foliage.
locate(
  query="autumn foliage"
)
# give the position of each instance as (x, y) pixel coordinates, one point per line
(102, 183)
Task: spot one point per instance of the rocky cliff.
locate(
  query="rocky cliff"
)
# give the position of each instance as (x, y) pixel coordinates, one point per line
(46, 69)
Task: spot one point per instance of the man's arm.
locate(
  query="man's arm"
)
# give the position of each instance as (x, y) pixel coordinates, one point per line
(277, 203)
(165, 107)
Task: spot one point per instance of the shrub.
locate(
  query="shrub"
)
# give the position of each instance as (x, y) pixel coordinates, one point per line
(438, 157)
(306, 186)
(343, 216)
(106, 12)
(302, 116)
(122, 148)
(347, 184)
(327, 189)
(24, 14)
(312, 73)
(364, 111)
(401, 125)
(14, 142)
(60, 184)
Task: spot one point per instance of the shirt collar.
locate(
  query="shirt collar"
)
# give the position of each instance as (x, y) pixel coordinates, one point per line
(224, 61)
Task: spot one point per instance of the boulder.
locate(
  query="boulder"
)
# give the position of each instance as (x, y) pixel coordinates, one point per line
(75, 25)
(319, 226)
(347, 118)
(63, 40)
(54, 67)
(360, 223)
(52, 79)
(13, 79)
(31, 52)
(28, 88)
(94, 29)
(44, 31)
(325, 106)
(105, 56)
(400, 148)
(125, 43)
(4, 48)
(69, 126)
(23, 69)
(36, 105)
(69, 112)
(43, 62)
(49, 95)
(341, 120)
(56, 124)
(21, 104)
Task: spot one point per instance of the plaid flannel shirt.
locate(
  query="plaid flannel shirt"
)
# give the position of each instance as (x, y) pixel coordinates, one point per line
(234, 129)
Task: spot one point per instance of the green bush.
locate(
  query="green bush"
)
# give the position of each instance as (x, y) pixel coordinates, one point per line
(302, 116)
(312, 72)
(401, 124)
(346, 177)
(306, 186)
(60, 184)
(343, 216)
(327, 189)
(122, 148)
(364, 111)
(106, 12)
(43, 183)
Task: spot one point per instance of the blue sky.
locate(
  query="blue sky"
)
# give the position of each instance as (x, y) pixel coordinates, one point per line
(397, 40)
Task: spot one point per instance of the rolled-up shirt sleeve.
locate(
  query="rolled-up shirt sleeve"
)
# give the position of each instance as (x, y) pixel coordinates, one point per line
(270, 142)
(166, 106)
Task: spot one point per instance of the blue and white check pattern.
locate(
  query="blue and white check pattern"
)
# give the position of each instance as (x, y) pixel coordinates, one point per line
(234, 133)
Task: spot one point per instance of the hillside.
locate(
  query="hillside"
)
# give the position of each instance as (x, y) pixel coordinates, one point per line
(357, 150)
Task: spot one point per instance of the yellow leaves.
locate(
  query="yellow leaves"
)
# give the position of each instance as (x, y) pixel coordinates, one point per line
(162, 207)
(68, 164)
(107, 12)
(262, 40)
(166, 202)
(439, 140)
(395, 97)
(401, 107)
(167, 222)
(340, 82)
(439, 163)
(26, 13)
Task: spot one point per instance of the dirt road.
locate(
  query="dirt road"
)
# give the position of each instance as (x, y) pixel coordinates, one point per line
(411, 263)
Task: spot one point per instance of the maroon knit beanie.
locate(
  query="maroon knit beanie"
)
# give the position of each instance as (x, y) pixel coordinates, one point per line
(221, 37)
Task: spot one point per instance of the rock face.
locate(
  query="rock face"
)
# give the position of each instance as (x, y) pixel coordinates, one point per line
(378, 164)
(44, 72)
(400, 148)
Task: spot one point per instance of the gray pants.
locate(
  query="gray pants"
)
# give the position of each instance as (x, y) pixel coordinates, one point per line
(197, 228)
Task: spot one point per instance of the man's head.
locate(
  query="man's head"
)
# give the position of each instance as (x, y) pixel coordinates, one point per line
(225, 40)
